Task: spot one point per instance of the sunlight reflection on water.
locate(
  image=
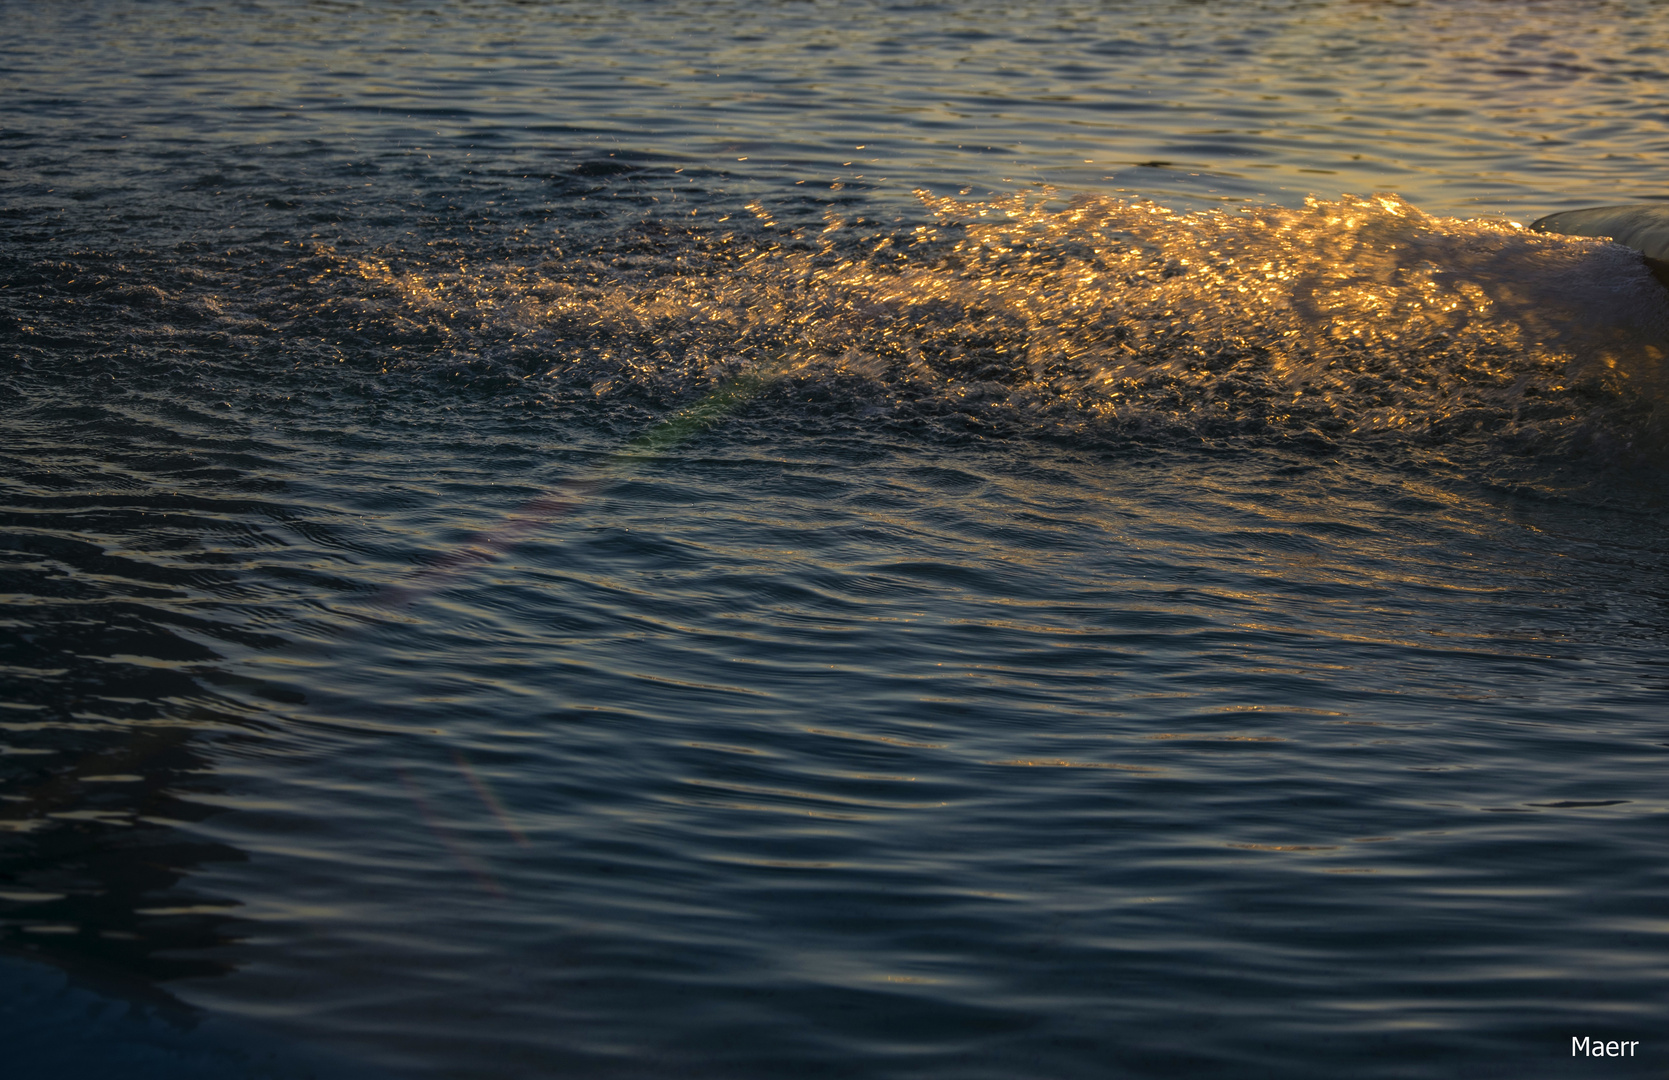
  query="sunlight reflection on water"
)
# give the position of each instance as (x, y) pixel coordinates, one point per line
(735, 540)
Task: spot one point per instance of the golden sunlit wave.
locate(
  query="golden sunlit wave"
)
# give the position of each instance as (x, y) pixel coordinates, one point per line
(1349, 319)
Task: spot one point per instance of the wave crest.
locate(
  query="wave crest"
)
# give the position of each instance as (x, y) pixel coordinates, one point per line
(1361, 318)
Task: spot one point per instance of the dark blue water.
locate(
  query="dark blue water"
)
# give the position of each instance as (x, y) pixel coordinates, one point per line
(861, 540)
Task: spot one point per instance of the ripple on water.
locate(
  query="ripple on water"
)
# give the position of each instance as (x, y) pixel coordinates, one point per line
(554, 542)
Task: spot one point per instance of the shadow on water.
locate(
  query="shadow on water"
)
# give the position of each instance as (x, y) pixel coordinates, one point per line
(97, 775)
(105, 769)
(96, 779)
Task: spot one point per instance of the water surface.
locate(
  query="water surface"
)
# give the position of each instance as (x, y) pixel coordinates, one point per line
(849, 540)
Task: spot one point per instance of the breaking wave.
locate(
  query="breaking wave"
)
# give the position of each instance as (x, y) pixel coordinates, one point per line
(1360, 320)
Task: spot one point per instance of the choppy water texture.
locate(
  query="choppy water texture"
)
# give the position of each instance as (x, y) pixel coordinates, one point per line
(851, 540)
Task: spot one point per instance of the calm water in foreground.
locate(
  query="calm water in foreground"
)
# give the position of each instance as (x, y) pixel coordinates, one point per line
(837, 540)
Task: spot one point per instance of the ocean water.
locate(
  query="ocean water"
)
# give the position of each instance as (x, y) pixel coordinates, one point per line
(681, 539)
